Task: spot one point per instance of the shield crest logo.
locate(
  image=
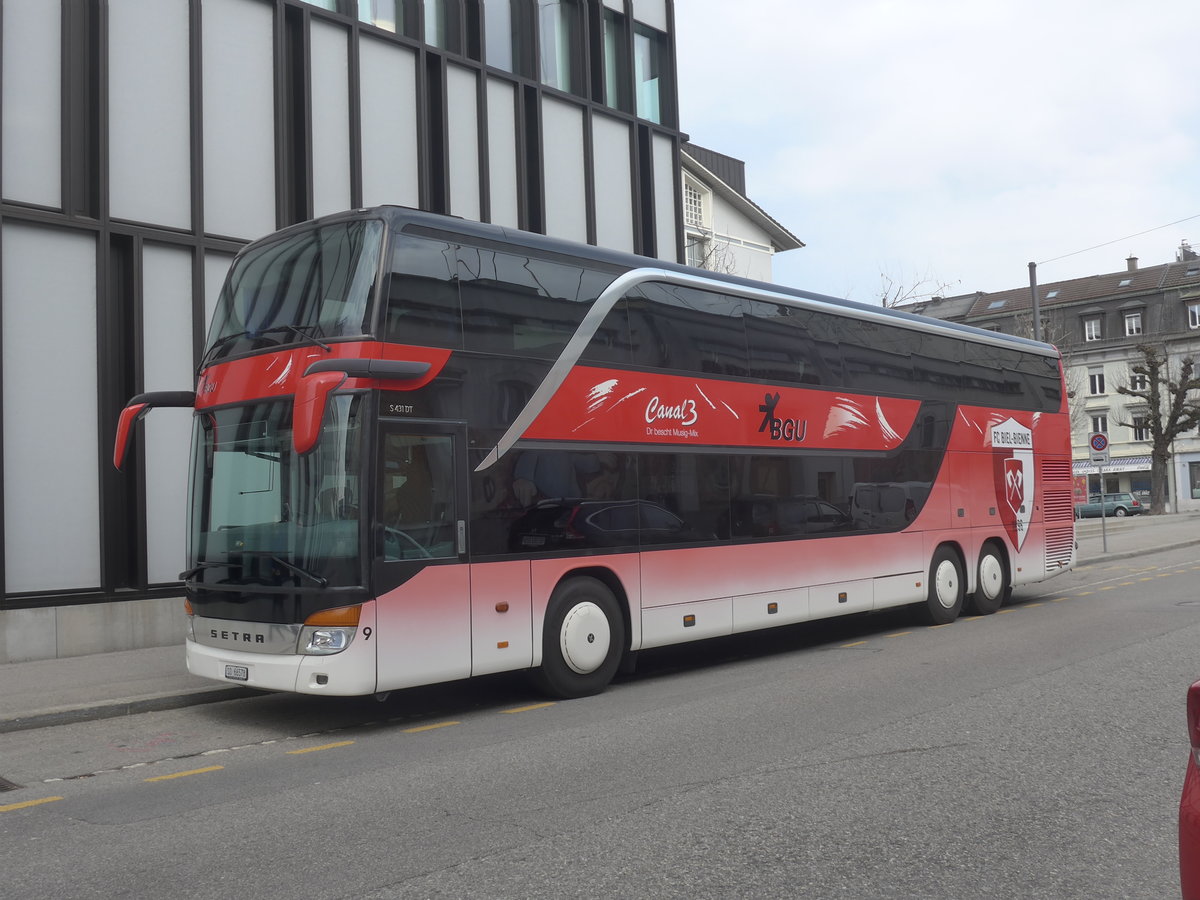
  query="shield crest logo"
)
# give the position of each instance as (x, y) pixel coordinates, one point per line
(1012, 444)
(1014, 484)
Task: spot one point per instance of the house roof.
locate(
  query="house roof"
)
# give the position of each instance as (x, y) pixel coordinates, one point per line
(726, 176)
(1152, 279)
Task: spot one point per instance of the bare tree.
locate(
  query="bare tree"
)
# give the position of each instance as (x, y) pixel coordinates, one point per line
(900, 291)
(715, 255)
(1170, 410)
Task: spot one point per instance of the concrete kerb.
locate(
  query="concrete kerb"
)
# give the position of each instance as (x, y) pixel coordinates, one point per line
(117, 708)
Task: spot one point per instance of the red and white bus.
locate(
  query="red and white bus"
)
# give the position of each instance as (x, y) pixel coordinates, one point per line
(427, 449)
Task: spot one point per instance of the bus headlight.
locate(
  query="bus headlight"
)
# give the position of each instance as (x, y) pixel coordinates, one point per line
(329, 631)
(322, 641)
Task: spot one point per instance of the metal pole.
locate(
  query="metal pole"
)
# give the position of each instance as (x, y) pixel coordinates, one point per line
(1103, 517)
(1033, 298)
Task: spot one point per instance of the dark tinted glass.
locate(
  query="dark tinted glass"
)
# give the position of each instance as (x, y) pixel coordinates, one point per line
(610, 344)
(680, 328)
(522, 305)
(686, 497)
(780, 348)
(422, 303)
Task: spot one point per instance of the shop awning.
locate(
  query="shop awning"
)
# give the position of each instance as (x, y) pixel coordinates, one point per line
(1115, 465)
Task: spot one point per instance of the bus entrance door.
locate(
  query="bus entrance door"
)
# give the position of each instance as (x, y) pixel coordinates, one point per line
(422, 581)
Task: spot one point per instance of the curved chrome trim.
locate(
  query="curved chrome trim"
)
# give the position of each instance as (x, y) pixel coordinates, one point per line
(631, 279)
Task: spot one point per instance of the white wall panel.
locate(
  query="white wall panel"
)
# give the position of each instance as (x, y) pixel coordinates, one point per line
(562, 161)
(149, 129)
(614, 183)
(462, 101)
(239, 117)
(330, 118)
(32, 100)
(502, 153)
(666, 226)
(167, 365)
(388, 78)
(651, 12)
(51, 458)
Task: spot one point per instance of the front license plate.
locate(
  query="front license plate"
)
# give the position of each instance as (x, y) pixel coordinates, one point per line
(237, 673)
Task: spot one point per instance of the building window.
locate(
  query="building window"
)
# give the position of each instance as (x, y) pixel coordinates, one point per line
(1138, 382)
(1194, 477)
(649, 72)
(498, 34)
(1092, 330)
(1100, 423)
(616, 61)
(558, 27)
(696, 247)
(380, 13)
(1133, 324)
(1141, 428)
(693, 206)
(1096, 381)
(1193, 315)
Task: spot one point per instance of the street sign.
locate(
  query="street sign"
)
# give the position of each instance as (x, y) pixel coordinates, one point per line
(1098, 443)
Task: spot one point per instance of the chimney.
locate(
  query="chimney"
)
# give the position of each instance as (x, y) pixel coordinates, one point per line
(1131, 264)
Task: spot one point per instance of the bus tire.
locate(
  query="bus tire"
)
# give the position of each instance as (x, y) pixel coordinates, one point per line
(992, 587)
(583, 639)
(945, 600)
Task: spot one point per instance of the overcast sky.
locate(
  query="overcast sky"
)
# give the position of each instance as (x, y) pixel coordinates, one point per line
(952, 141)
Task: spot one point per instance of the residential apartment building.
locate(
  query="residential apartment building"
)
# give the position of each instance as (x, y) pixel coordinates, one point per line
(1098, 322)
(145, 141)
(724, 230)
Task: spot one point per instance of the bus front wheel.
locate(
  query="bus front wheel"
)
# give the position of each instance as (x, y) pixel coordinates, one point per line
(945, 599)
(583, 638)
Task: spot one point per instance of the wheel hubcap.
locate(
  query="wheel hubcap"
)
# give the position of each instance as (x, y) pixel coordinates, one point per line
(946, 584)
(991, 577)
(585, 637)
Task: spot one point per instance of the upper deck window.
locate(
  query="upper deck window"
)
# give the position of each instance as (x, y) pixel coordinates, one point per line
(309, 285)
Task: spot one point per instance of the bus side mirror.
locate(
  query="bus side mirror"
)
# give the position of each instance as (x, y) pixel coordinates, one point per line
(312, 395)
(136, 408)
(325, 376)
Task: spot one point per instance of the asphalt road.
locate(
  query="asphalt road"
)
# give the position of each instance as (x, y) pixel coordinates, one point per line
(1034, 753)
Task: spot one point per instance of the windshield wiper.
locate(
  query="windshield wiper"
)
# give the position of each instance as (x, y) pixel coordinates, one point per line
(318, 580)
(299, 331)
(200, 567)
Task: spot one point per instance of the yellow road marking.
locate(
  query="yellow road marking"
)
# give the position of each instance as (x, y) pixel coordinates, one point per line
(1164, 574)
(969, 618)
(1030, 605)
(1002, 611)
(855, 644)
(1126, 584)
(898, 634)
(430, 727)
(1146, 579)
(1109, 587)
(1059, 599)
(530, 708)
(947, 625)
(186, 774)
(28, 803)
(1084, 593)
(321, 747)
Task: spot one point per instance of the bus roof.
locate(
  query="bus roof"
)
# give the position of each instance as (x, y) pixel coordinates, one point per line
(402, 218)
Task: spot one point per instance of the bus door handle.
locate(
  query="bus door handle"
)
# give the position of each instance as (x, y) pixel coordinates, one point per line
(461, 537)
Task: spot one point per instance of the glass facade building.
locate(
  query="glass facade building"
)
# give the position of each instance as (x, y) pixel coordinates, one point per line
(144, 142)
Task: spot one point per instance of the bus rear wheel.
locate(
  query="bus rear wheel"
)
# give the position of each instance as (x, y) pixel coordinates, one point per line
(583, 638)
(945, 599)
(992, 587)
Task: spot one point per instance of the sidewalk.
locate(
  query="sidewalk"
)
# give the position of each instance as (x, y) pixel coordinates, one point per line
(58, 691)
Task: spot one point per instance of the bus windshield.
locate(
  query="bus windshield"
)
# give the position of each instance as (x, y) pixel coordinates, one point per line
(263, 516)
(304, 287)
